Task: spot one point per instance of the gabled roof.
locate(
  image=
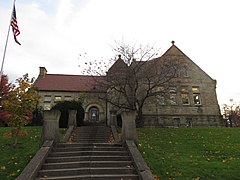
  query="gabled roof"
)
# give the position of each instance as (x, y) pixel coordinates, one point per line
(62, 82)
(175, 51)
(82, 83)
(118, 65)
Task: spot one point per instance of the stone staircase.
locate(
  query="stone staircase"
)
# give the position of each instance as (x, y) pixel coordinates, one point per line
(89, 155)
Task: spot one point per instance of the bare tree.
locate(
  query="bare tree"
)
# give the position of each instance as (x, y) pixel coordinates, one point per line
(143, 77)
(136, 76)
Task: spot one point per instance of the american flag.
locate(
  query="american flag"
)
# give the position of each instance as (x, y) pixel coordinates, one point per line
(14, 25)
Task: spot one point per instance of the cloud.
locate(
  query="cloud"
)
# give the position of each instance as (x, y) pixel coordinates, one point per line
(54, 32)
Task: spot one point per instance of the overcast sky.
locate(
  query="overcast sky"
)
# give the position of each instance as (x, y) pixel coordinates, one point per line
(55, 32)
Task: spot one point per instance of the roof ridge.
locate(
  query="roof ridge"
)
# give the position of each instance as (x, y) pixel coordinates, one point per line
(75, 75)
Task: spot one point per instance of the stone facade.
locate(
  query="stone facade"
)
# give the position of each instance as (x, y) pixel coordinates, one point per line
(57, 87)
(188, 100)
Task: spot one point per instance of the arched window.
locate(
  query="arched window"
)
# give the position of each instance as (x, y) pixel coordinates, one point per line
(93, 114)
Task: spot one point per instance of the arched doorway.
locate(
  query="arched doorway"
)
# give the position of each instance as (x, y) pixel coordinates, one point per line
(93, 114)
(64, 107)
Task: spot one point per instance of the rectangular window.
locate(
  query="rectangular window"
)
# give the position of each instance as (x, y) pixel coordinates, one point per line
(172, 89)
(173, 98)
(196, 99)
(68, 98)
(159, 89)
(185, 99)
(184, 89)
(195, 89)
(189, 122)
(47, 98)
(161, 99)
(57, 98)
(47, 106)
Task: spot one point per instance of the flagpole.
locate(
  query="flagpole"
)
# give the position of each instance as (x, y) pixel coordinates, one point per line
(5, 48)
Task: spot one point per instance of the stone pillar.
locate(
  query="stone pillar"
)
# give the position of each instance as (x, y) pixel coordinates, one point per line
(50, 129)
(72, 118)
(113, 118)
(129, 131)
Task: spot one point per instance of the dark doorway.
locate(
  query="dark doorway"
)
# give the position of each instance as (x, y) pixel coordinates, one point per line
(119, 120)
(63, 120)
(80, 116)
(64, 106)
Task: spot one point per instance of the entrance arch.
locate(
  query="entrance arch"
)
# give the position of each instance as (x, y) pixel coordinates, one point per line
(93, 114)
(64, 107)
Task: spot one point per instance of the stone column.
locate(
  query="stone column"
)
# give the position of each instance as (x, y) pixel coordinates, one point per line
(113, 118)
(50, 129)
(129, 131)
(72, 118)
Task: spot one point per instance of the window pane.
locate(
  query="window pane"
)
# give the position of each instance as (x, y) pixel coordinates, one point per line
(185, 99)
(184, 90)
(47, 106)
(161, 99)
(57, 98)
(172, 89)
(68, 98)
(195, 89)
(47, 98)
(196, 98)
(173, 98)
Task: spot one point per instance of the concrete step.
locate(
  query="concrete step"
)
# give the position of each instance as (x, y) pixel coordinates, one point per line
(66, 165)
(88, 144)
(87, 158)
(89, 153)
(86, 171)
(93, 137)
(95, 177)
(88, 148)
(89, 141)
(89, 136)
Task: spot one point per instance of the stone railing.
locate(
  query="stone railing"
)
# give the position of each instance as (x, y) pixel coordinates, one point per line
(49, 137)
(31, 170)
(50, 130)
(129, 138)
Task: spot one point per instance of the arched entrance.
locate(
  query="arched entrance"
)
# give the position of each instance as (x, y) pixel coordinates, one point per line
(64, 107)
(93, 114)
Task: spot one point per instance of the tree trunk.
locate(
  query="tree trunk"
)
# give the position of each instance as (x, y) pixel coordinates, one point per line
(15, 133)
(139, 118)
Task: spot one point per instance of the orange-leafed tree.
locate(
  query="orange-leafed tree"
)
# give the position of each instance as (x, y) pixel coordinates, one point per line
(19, 103)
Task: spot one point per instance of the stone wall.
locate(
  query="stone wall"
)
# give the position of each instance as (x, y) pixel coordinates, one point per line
(183, 121)
(49, 98)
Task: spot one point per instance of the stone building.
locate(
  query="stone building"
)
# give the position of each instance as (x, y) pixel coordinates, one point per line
(59, 87)
(188, 99)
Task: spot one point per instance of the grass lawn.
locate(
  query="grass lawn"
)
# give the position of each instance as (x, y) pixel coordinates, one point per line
(14, 160)
(192, 153)
(204, 153)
